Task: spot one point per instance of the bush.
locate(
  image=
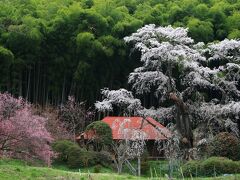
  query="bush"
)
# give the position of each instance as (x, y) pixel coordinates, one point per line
(81, 157)
(225, 145)
(61, 148)
(104, 158)
(219, 165)
(97, 168)
(192, 168)
(75, 157)
(88, 158)
(211, 167)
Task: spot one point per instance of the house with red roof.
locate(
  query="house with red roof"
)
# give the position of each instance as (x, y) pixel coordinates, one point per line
(129, 128)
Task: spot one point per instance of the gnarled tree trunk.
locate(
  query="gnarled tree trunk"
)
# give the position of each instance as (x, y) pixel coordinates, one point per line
(183, 121)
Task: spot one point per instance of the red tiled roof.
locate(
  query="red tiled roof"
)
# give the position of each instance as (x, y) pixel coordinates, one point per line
(152, 129)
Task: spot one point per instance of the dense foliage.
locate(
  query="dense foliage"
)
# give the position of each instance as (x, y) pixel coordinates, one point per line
(76, 157)
(101, 134)
(52, 49)
(61, 148)
(225, 145)
(213, 166)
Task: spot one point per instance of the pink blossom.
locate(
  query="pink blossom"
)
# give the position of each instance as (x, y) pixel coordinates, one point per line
(23, 134)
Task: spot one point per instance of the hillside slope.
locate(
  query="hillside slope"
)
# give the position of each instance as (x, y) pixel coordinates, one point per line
(16, 170)
(23, 172)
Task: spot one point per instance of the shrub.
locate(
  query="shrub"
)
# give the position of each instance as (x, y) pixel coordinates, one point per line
(104, 158)
(219, 165)
(76, 157)
(88, 158)
(61, 148)
(97, 168)
(210, 167)
(225, 145)
(70, 153)
(74, 154)
(192, 168)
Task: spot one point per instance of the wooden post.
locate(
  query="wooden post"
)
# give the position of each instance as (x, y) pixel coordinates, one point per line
(139, 166)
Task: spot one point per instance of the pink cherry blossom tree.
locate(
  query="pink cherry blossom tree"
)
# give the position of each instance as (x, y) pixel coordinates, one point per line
(75, 116)
(22, 133)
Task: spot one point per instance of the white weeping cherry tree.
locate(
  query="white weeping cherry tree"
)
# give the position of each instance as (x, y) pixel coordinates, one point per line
(202, 82)
(131, 145)
(121, 98)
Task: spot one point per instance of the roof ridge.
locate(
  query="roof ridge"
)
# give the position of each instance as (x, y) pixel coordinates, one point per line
(156, 126)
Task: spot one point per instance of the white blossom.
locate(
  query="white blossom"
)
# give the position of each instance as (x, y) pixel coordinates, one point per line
(121, 98)
(161, 114)
(202, 142)
(205, 76)
(104, 105)
(143, 81)
(226, 49)
(233, 126)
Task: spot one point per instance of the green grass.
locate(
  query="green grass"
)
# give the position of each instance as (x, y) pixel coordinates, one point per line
(82, 170)
(19, 170)
(9, 172)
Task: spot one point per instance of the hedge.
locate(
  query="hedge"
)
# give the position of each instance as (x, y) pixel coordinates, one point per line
(213, 166)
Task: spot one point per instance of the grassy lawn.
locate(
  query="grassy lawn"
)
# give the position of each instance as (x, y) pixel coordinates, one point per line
(17, 170)
(11, 172)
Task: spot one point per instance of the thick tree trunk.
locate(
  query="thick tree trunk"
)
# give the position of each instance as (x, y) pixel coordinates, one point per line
(183, 121)
(118, 164)
(120, 168)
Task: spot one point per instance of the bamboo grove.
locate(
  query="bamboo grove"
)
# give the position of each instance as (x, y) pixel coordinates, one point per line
(52, 49)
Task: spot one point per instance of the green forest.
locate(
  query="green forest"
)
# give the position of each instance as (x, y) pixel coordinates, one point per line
(52, 49)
